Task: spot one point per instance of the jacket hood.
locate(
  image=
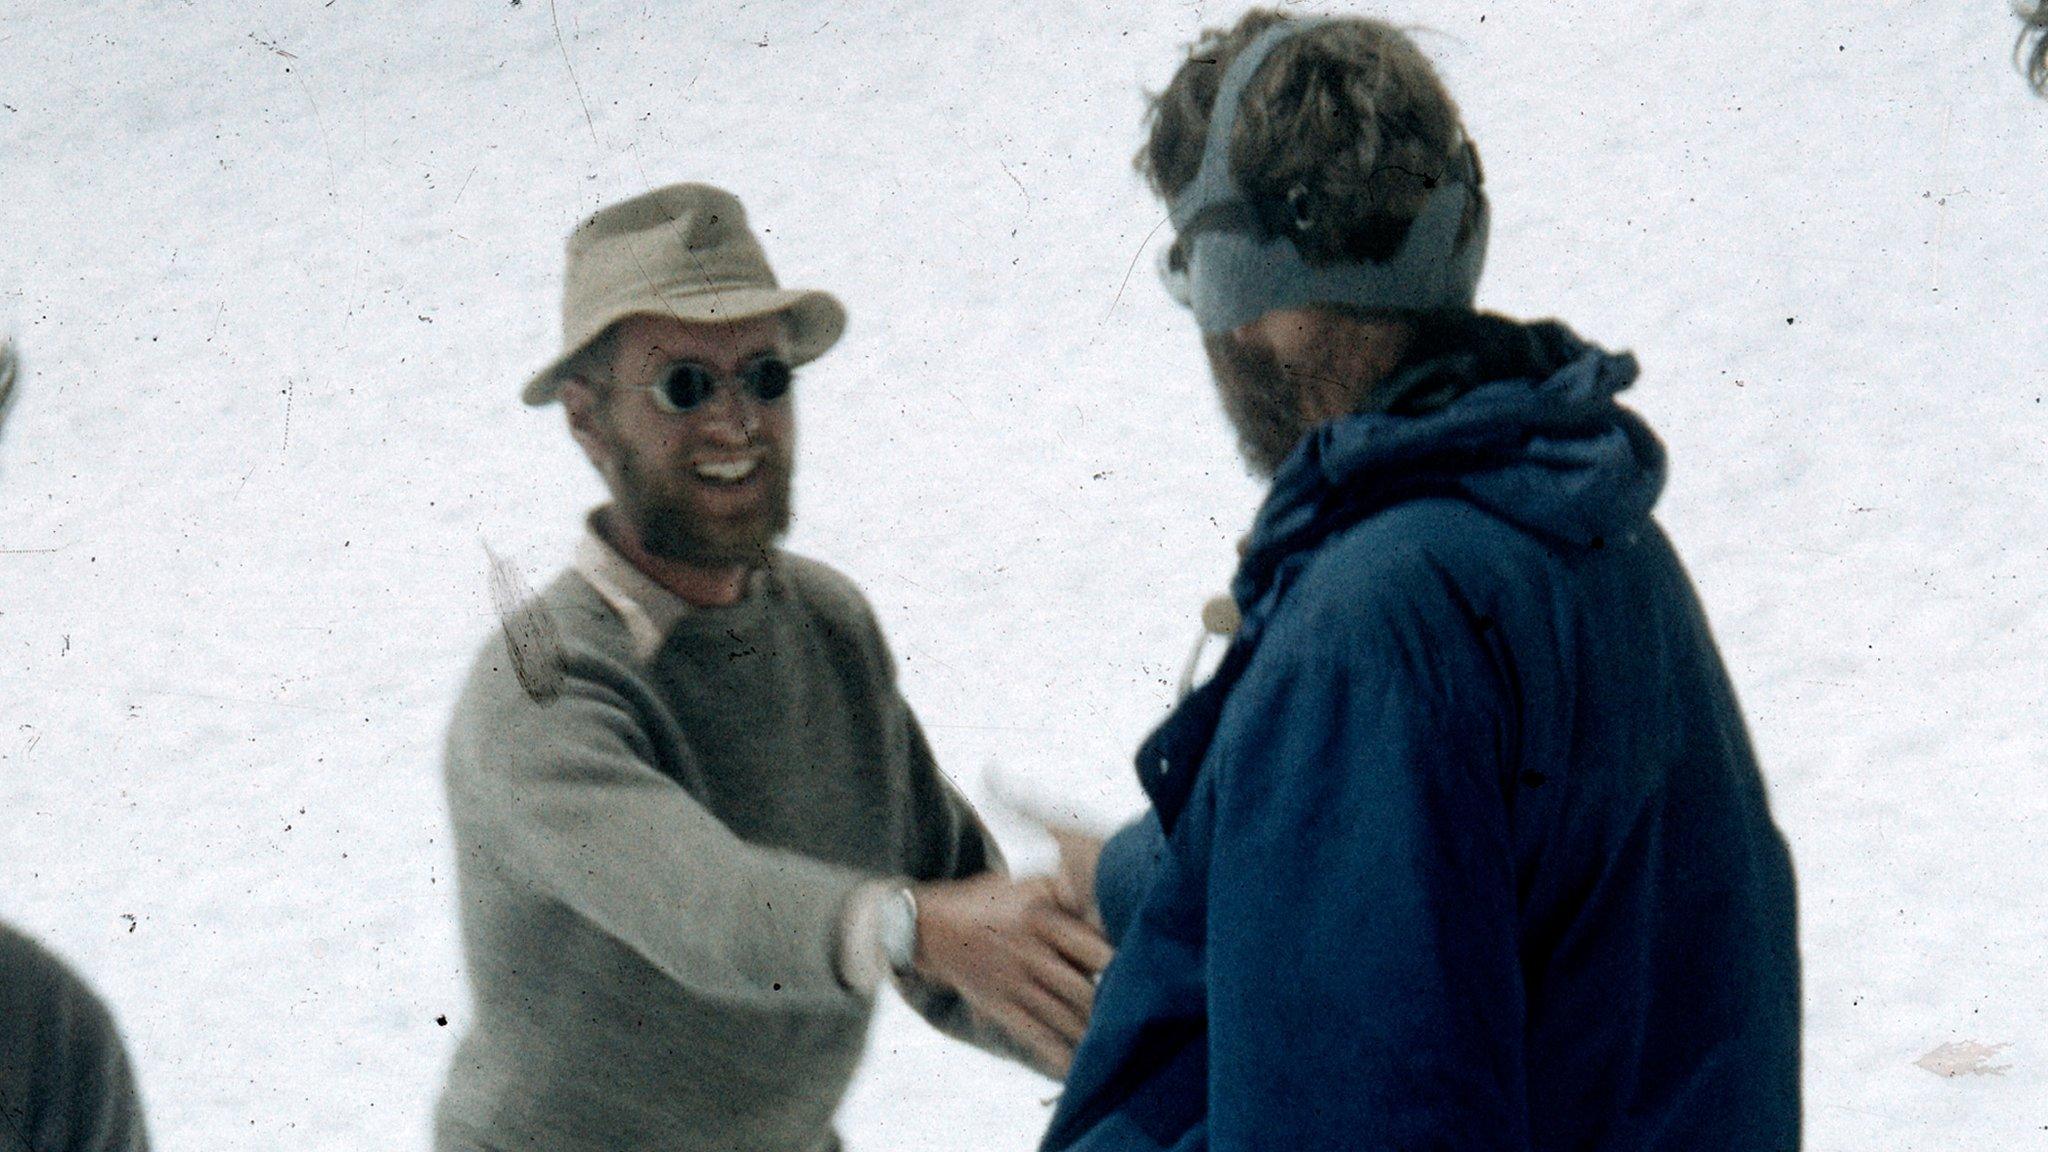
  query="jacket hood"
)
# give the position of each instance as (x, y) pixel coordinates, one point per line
(1519, 419)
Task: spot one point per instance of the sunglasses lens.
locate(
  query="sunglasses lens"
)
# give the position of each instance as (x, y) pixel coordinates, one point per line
(1173, 273)
(686, 385)
(768, 378)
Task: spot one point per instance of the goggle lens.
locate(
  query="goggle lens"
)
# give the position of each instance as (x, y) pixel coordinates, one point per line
(1173, 273)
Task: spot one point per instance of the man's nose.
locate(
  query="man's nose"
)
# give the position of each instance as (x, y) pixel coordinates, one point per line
(729, 415)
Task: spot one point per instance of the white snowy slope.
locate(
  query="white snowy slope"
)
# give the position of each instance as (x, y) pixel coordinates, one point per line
(278, 269)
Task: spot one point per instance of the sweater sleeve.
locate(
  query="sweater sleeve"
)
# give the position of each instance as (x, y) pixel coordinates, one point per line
(949, 840)
(959, 845)
(566, 794)
(1361, 871)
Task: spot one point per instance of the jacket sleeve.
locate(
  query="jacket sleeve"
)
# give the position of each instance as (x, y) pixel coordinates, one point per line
(1124, 871)
(566, 795)
(1365, 988)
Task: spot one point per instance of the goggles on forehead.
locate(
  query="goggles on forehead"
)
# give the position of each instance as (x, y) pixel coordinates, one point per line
(1230, 215)
(1234, 259)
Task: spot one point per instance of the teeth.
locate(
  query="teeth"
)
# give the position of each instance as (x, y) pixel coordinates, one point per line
(728, 472)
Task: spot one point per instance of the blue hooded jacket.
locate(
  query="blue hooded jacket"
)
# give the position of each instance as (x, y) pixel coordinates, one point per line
(1464, 845)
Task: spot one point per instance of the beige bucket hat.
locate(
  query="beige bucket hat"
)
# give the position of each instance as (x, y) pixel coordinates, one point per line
(683, 251)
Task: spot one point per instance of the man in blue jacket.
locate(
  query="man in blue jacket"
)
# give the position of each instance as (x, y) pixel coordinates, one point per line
(1463, 846)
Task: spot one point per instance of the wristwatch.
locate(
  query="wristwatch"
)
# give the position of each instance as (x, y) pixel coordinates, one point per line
(898, 929)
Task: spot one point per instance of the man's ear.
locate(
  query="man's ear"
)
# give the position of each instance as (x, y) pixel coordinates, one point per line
(584, 409)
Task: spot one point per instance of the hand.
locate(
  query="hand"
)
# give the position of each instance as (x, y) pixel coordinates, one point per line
(1074, 882)
(1017, 955)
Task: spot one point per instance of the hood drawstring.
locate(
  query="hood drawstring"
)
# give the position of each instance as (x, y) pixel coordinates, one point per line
(1220, 617)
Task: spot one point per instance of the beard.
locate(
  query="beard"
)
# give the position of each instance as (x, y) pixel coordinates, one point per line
(1261, 398)
(670, 527)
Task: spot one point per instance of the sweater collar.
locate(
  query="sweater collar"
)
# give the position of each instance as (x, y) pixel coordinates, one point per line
(649, 611)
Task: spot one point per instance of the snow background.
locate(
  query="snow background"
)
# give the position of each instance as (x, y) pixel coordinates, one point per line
(279, 267)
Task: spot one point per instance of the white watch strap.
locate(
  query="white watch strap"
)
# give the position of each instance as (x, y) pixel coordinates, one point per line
(863, 961)
(899, 930)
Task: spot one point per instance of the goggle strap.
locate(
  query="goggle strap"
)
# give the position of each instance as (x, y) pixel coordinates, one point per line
(1254, 272)
(1212, 183)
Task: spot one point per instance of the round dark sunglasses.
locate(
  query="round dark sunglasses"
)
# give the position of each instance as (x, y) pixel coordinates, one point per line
(687, 384)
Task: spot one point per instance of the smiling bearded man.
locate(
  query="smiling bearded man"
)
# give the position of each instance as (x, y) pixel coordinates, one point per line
(708, 494)
(696, 824)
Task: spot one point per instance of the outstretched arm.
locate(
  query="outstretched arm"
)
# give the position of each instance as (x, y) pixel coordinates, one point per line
(566, 795)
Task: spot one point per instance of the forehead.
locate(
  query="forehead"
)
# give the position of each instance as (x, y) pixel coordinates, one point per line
(694, 339)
